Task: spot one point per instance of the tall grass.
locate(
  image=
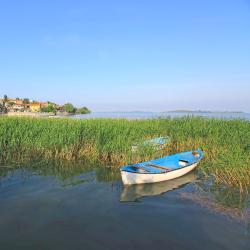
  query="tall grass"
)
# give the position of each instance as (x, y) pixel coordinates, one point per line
(225, 143)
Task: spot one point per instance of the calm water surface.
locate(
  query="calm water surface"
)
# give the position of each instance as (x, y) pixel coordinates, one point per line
(67, 208)
(152, 115)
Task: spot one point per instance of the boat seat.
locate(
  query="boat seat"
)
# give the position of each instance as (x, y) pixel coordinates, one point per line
(136, 168)
(159, 167)
(183, 163)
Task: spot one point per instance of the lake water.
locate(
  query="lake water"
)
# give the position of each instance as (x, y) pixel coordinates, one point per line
(79, 208)
(152, 115)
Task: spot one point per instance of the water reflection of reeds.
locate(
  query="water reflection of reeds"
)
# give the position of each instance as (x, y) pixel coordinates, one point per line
(207, 201)
(229, 202)
(67, 173)
(107, 174)
(218, 199)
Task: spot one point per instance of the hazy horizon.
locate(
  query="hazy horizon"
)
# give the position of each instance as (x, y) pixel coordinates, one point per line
(129, 56)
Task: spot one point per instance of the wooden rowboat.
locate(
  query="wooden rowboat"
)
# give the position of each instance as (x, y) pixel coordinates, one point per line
(162, 169)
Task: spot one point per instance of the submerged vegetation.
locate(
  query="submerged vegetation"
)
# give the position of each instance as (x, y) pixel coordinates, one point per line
(225, 143)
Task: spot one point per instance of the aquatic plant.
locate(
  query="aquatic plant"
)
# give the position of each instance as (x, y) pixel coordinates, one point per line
(109, 141)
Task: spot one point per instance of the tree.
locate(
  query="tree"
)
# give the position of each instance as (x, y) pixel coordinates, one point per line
(49, 109)
(5, 98)
(83, 110)
(3, 109)
(68, 107)
(26, 101)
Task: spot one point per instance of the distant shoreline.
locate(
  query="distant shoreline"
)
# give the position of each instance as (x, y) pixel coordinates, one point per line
(175, 111)
(202, 111)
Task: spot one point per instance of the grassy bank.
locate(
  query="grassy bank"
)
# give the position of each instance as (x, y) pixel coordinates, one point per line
(227, 155)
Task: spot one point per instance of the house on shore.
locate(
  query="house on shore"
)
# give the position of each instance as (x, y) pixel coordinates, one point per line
(35, 107)
(20, 105)
(14, 106)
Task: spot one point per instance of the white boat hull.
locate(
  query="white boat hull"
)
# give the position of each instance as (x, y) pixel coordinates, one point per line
(129, 178)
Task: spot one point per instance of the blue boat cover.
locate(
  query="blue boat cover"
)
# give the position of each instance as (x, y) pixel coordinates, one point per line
(171, 162)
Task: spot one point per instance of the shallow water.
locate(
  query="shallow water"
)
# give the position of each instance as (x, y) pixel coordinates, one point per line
(86, 209)
(152, 115)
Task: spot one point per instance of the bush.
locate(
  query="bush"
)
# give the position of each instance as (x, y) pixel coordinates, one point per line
(49, 109)
(68, 107)
(83, 110)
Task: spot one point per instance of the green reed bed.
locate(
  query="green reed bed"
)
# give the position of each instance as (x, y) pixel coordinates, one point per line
(225, 143)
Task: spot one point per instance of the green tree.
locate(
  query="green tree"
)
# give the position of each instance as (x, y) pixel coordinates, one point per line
(5, 98)
(83, 110)
(49, 109)
(68, 107)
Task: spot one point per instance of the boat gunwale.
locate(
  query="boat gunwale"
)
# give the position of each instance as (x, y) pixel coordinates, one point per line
(162, 172)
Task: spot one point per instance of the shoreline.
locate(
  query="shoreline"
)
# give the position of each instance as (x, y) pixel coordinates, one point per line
(130, 115)
(33, 114)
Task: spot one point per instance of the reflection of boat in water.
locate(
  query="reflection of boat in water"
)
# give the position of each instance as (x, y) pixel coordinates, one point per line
(134, 192)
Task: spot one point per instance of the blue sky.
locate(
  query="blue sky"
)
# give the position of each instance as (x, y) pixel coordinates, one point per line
(127, 55)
